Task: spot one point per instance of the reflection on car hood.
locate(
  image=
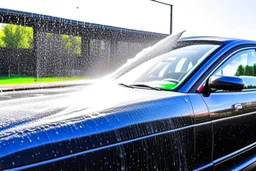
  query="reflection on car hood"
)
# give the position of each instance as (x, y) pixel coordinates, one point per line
(33, 121)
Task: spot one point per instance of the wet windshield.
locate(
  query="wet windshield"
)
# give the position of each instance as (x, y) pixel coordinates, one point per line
(167, 71)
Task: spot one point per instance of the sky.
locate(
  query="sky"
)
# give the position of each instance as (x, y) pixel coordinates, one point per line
(228, 18)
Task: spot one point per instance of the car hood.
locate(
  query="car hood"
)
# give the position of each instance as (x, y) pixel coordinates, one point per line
(37, 108)
(45, 118)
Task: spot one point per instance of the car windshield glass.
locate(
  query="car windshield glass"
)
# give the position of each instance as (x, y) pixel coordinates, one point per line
(167, 71)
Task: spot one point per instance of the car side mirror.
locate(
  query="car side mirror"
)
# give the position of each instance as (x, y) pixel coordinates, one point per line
(229, 83)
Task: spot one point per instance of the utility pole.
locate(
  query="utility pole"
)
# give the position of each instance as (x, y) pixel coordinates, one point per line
(171, 11)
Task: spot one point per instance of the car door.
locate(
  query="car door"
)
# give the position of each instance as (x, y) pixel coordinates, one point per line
(233, 114)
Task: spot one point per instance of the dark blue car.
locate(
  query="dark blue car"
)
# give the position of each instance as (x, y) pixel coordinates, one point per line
(179, 105)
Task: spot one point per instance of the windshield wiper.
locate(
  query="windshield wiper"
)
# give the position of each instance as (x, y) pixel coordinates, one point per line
(125, 85)
(144, 86)
(139, 86)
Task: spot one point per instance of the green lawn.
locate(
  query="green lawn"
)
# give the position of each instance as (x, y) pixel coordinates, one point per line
(28, 80)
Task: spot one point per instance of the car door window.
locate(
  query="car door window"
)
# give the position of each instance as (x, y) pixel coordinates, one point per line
(242, 64)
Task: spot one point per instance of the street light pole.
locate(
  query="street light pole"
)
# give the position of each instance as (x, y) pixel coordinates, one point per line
(171, 18)
(171, 12)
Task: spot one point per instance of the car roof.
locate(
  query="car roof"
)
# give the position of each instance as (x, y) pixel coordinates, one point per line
(216, 39)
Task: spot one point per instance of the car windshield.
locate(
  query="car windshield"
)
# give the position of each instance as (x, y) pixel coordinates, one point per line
(167, 71)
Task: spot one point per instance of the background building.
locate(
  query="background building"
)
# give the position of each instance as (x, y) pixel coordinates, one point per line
(40, 45)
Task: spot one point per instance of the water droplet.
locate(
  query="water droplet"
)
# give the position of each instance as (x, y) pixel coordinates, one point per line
(186, 100)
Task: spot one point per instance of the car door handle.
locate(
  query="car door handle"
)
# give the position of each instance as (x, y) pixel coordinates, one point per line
(238, 107)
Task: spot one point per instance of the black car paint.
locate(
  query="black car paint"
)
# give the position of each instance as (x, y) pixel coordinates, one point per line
(136, 122)
(234, 128)
(204, 137)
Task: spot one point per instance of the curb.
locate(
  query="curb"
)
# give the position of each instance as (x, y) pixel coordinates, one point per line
(20, 87)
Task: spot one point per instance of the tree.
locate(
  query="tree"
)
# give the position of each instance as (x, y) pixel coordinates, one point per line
(248, 70)
(240, 70)
(254, 70)
(2, 43)
(72, 43)
(16, 36)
